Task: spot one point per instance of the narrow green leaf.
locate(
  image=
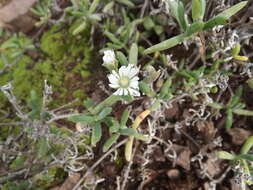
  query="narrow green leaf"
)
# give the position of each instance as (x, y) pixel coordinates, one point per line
(96, 134)
(105, 112)
(243, 112)
(80, 28)
(165, 88)
(233, 10)
(124, 117)
(133, 54)
(225, 155)
(84, 119)
(247, 145)
(148, 23)
(236, 50)
(126, 2)
(113, 38)
(203, 9)
(174, 8)
(110, 142)
(93, 6)
(196, 10)
(215, 21)
(167, 44)
(122, 58)
(182, 18)
(229, 120)
(248, 157)
(236, 98)
(216, 105)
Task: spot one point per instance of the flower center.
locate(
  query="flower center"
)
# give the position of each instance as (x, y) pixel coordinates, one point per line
(124, 82)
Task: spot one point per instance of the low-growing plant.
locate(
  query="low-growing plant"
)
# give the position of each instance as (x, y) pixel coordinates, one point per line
(189, 30)
(233, 107)
(84, 13)
(242, 163)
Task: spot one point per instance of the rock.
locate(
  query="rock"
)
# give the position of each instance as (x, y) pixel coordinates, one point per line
(173, 174)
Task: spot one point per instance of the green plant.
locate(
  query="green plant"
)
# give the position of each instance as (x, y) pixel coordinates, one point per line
(243, 160)
(43, 10)
(233, 107)
(84, 13)
(198, 25)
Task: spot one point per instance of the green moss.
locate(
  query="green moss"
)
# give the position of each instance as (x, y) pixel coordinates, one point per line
(64, 65)
(52, 43)
(51, 178)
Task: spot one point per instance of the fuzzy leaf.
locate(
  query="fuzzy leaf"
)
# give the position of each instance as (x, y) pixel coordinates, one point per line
(182, 18)
(96, 134)
(233, 10)
(105, 112)
(113, 38)
(236, 98)
(126, 2)
(229, 120)
(236, 50)
(122, 58)
(166, 44)
(225, 155)
(248, 157)
(94, 6)
(124, 117)
(243, 112)
(198, 9)
(110, 142)
(84, 119)
(133, 54)
(216, 105)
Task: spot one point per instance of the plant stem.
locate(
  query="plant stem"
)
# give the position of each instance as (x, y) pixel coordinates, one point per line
(136, 123)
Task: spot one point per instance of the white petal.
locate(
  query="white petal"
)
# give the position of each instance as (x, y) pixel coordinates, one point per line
(133, 92)
(114, 85)
(113, 79)
(122, 71)
(134, 84)
(135, 79)
(119, 92)
(115, 74)
(133, 72)
(125, 92)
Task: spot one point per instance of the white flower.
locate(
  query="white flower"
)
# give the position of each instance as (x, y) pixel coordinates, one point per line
(126, 81)
(109, 56)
